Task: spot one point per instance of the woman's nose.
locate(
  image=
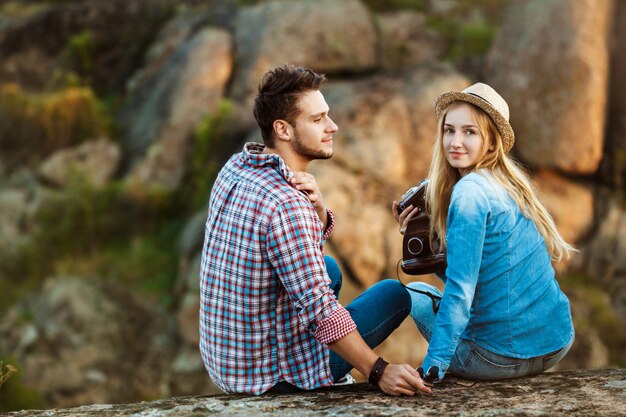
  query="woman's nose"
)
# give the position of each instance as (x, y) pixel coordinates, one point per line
(457, 142)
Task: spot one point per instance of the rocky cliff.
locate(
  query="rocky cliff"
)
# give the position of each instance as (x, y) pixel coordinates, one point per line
(116, 116)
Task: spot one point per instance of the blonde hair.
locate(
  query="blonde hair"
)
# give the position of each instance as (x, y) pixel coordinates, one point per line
(504, 169)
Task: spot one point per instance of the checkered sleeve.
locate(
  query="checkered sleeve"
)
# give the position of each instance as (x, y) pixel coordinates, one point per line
(336, 326)
(295, 251)
(331, 224)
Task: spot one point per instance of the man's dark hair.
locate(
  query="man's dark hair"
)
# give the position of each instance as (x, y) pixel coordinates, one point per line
(278, 96)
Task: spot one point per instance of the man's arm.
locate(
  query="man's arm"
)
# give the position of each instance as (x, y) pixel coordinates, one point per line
(395, 380)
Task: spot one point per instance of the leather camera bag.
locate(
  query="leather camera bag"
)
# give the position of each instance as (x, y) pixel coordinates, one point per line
(418, 257)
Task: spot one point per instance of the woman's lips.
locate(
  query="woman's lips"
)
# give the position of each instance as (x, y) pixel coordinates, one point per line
(456, 154)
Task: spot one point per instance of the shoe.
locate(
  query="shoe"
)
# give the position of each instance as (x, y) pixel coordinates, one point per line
(347, 379)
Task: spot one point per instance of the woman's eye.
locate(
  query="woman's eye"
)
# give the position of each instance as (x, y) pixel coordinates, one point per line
(449, 131)
(469, 132)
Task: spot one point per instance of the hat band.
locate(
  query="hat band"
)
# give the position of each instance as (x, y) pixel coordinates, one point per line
(476, 95)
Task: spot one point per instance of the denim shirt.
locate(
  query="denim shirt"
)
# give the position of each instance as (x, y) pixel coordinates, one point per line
(500, 289)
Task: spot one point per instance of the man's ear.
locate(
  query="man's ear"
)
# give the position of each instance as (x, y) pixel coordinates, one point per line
(282, 129)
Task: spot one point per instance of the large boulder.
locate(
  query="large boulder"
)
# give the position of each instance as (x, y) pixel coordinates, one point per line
(94, 162)
(77, 341)
(406, 40)
(326, 35)
(188, 87)
(550, 62)
(614, 164)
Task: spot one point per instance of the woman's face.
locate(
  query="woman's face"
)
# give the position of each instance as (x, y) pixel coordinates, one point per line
(462, 140)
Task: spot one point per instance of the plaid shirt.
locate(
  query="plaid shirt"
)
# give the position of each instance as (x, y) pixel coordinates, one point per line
(266, 308)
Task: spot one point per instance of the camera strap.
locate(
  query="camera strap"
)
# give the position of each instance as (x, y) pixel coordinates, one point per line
(434, 298)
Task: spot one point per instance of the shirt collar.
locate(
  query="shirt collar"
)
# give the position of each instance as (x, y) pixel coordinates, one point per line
(254, 156)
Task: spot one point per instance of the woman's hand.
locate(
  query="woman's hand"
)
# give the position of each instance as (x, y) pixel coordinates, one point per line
(404, 217)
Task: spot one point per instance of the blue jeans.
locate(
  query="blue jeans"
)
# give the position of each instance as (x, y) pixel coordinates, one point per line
(377, 312)
(470, 360)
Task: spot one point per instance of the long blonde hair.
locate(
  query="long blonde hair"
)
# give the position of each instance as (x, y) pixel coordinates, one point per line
(505, 170)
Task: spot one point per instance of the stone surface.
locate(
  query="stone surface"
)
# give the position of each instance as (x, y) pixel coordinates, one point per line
(77, 341)
(405, 40)
(196, 78)
(614, 163)
(328, 36)
(95, 162)
(550, 62)
(576, 393)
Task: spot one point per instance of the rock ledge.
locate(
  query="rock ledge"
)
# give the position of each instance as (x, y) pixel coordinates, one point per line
(569, 393)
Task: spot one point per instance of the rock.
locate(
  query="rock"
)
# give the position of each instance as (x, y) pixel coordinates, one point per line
(34, 48)
(77, 341)
(573, 394)
(405, 41)
(605, 255)
(189, 87)
(550, 62)
(559, 195)
(95, 162)
(614, 162)
(326, 36)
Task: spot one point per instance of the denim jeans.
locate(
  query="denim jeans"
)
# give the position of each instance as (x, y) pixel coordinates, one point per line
(470, 360)
(377, 312)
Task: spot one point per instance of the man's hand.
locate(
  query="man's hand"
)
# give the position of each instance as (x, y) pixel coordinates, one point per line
(404, 217)
(305, 182)
(402, 380)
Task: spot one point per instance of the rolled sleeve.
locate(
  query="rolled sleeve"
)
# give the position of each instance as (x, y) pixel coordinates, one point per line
(336, 326)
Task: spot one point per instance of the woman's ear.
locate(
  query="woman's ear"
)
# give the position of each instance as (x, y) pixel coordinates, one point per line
(282, 129)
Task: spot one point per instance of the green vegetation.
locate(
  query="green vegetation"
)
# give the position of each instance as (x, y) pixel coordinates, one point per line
(102, 232)
(32, 125)
(393, 5)
(79, 55)
(602, 316)
(209, 146)
(464, 39)
(14, 395)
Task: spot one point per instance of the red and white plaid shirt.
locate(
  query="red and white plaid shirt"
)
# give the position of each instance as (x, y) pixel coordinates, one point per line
(266, 308)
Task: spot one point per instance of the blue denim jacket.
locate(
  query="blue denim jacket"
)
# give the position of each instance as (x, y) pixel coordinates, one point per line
(500, 288)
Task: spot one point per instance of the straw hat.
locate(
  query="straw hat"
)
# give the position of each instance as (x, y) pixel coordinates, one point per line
(487, 99)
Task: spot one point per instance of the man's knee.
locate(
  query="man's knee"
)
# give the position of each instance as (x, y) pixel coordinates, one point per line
(334, 273)
(391, 289)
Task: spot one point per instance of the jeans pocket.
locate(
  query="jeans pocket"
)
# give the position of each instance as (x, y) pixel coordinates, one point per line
(484, 365)
(553, 358)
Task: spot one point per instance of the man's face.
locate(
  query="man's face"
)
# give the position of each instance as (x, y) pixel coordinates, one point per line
(314, 128)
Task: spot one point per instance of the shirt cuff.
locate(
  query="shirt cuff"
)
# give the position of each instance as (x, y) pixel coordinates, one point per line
(335, 326)
(429, 363)
(331, 224)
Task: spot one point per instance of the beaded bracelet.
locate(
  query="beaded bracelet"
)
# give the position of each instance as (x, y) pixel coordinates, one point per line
(377, 371)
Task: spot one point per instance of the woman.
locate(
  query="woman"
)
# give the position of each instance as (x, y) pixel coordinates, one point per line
(502, 313)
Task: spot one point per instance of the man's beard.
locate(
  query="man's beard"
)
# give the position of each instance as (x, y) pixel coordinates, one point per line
(309, 153)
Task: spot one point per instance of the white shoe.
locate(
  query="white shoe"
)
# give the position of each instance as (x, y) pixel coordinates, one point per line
(347, 379)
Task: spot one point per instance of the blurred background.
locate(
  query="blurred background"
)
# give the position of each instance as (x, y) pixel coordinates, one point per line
(116, 115)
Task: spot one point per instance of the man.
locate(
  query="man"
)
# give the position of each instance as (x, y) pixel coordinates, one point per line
(269, 315)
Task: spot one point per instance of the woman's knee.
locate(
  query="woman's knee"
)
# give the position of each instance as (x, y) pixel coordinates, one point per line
(421, 303)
